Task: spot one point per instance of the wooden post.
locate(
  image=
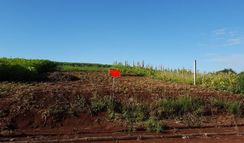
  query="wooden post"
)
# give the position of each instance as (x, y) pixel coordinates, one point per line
(195, 71)
(113, 84)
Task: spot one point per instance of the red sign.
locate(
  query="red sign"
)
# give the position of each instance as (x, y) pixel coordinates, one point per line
(114, 73)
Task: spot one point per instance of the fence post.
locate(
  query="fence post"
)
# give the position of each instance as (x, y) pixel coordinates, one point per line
(195, 71)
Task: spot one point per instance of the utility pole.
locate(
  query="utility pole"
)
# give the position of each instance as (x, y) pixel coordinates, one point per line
(195, 71)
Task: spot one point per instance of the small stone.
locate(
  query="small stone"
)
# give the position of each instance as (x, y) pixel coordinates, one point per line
(185, 137)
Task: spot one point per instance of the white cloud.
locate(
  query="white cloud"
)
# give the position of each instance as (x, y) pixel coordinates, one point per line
(233, 41)
(225, 38)
(219, 31)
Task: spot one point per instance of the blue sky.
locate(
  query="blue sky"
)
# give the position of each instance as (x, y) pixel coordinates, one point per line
(171, 33)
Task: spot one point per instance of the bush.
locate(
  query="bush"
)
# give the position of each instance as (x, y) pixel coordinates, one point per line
(153, 125)
(218, 103)
(220, 81)
(97, 104)
(24, 70)
(170, 107)
(79, 105)
(190, 104)
(43, 66)
(59, 112)
(103, 104)
(16, 73)
(240, 82)
(135, 112)
(233, 107)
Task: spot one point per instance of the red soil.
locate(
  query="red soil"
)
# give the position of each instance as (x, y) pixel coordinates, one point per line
(17, 100)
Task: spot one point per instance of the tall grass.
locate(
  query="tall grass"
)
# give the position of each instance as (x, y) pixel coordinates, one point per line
(240, 82)
(222, 80)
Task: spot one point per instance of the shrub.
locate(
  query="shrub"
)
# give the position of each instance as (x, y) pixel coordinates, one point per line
(189, 104)
(153, 125)
(220, 81)
(103, 104)
(171, 107)
(135, 112)
(97, 104)
(79, 105)
(58, 112)
(233, 107)
(24, 70)
(217, 103)
(240, 82)
(167, 107)
(16, 73)
(43, 66)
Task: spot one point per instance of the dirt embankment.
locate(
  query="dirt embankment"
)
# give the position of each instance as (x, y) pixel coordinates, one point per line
(45, 108)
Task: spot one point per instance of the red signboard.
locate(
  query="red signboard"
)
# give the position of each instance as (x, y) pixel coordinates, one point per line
(114, 73)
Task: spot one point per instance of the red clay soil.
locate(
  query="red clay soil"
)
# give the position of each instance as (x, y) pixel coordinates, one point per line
(20, 119)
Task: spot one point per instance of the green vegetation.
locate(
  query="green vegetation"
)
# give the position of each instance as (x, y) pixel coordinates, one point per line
(135, 112)
(172, 107)
(103, 104)
(153, 125)
(240, 82)
(187, 108)
(58, 112)
(225, 80)
(24, 70)
(79, 105)
(16, 69)
(62, 66)
(135, 71)
(232, 107)
(220, 81)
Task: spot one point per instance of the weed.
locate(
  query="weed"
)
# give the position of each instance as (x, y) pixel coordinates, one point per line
(233, 107)
(135, 112)
(167, 107)
(79, 105)
(97, 104)
(58, 112)
(240, 82)
(153, 125)
(103, 104)
(189, 104)
(217, 103)
(171, 107)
